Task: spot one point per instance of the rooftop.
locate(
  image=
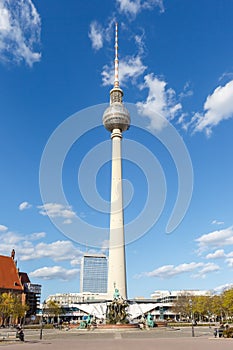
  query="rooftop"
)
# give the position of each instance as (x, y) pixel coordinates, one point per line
(9, 277)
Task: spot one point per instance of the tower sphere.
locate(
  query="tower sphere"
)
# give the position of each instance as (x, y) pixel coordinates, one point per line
(116, 116)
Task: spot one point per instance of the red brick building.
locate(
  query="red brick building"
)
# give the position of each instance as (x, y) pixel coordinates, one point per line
(18, 283)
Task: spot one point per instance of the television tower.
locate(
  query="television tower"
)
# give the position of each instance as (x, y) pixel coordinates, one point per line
(116, 119)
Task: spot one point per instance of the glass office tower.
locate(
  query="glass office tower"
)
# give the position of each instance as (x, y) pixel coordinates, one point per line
(94, 273)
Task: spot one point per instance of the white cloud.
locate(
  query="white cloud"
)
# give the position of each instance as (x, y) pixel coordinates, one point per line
(75, 262)
(99, 34)
(182, 120)
(24, 206)
(133, 7)
(20, 27)
(168, 271)
(229, 262)
(96, 35)
(223, 287)
(3, 228)
(4, 18)
(217, 107)
(228, 75)
(218, 254)
(129, 6)
(54, 272)
(56, 210)
(21, 243)
(229, 255)
(216, 222)
(130, 68)
(229, 259)
(187, 92)
(57, 251)
(36, 235)
(10, 238)
(160, 104)
(217, 238)
(207, 268)
(27, 250)
(140, 42)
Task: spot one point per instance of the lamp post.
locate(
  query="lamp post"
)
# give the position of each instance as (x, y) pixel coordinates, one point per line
(24, 318)
(209, 318)
(41, 324)
(191, 306)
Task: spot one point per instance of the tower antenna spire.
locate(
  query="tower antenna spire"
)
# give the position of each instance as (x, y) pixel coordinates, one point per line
(116, 80)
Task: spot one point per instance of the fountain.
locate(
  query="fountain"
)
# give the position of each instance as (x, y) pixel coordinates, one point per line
(117, 310)
(117, 316)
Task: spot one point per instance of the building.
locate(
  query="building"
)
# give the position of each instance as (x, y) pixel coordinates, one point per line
(76, 306)
(33, 293)
(116, 119)
(165, 301)
(94, 273)
(9, 276)
(18, 283)
(75, 298)
(166, 295)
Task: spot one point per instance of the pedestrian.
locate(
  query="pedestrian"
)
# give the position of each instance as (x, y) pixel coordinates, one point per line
(220, 331)
(20, 333)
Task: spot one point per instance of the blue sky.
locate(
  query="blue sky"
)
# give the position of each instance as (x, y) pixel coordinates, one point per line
(176, 70)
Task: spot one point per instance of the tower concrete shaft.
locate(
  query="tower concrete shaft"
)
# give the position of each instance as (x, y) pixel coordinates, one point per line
(116, 266)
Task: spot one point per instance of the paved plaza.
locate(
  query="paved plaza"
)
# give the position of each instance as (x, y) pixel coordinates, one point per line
(161, 339)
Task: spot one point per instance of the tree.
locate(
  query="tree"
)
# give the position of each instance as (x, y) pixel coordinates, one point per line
(19, 310)
(182, 306)
(52, 309)
(201, 306)
(216, 307)
(11, 307)
(6, 306)
(227, 302)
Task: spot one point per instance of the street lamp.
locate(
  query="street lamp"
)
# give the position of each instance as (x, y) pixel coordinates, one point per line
(41, 324)
(24, 318)
(209, 313)
(191, 306)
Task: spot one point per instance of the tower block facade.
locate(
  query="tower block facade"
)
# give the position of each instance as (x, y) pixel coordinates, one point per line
(116, 119)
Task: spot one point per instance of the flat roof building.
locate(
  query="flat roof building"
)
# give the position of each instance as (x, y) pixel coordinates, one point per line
(165, 295)
(94, 273)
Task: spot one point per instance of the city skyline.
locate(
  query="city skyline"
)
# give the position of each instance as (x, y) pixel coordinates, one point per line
(175, 62)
